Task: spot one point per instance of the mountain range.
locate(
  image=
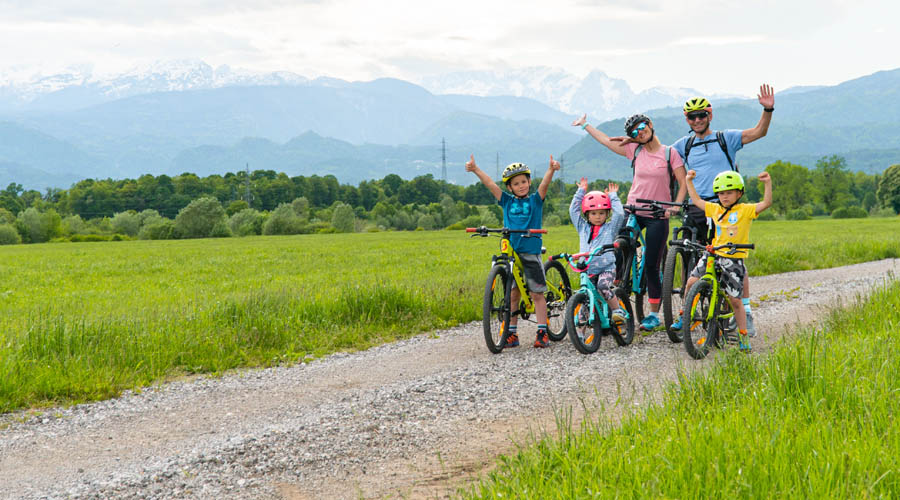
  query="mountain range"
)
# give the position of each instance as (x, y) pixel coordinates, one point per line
(190, 117)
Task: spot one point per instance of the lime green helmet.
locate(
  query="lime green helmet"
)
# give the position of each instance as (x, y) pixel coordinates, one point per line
(697, 104)
(514, 169)
(728, 180)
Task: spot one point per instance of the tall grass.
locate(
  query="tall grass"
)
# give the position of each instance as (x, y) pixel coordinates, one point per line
(84, 321)
(814, 419)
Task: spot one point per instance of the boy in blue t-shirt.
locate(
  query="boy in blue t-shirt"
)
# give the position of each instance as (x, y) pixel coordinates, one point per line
(523, 211)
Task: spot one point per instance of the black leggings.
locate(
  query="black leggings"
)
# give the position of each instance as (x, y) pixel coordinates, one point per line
(656, 236)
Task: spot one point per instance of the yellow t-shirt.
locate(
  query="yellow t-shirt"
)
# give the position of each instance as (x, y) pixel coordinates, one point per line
(733, 228)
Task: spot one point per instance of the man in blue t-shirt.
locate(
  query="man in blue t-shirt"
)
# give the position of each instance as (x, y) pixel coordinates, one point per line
(709, 153)
(522, 210)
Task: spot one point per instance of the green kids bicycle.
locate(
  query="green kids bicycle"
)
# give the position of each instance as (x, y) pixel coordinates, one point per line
(506, 272)
(707, 310)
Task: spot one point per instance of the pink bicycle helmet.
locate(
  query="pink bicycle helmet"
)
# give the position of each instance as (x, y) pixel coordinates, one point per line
(595, 200)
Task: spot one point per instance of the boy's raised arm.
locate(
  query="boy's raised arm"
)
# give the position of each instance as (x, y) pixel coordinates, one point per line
(548, 177)
(695, 198)
(485, 178)
(766, 202)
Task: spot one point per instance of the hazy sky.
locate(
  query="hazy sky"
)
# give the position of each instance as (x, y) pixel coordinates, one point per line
(712, 45)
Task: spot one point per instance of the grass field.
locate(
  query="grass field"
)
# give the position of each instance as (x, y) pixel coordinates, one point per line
(83, 321)
(815, 418)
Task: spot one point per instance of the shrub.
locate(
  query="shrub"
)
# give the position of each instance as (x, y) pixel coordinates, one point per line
(126, 223)
(797, 214)
(852, 212)
(343, 219)
(283, 220)
(301, 208)
(9, 235)
(73, 224)
(426, 222)
(882, 212)
(38, 227)
(198, 219)
(767, 215)
(247, 222)
(158, 229)
(236, 207)
(552, 220)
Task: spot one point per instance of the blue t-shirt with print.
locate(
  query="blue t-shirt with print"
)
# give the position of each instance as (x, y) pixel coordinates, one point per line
(523, 213)
(708, 159)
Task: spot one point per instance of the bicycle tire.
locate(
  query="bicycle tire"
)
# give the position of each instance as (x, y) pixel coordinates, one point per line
(496, 309)
(675, 275)
(555, 273)
(625, 335)
(584, 334)
(695, 332)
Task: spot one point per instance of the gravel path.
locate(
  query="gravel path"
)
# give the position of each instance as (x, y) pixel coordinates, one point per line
(413, 419)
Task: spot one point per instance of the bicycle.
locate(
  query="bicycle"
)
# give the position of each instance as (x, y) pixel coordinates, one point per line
(506, 270)
(588, 314)
(629, 261)
(679, 261)
(705, 320)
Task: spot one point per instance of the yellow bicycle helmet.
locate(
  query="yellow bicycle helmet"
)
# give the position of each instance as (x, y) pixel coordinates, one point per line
(697, 104)
(728, 180)
(514, 169)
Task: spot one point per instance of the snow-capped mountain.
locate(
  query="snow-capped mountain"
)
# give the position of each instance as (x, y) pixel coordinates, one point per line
(597, 94)
(79, 87)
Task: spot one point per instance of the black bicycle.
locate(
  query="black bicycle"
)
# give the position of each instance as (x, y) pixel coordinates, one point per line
(629, 256)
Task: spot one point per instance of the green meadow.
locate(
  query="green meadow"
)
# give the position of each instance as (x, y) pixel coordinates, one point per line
(84, 321)
(815, 418)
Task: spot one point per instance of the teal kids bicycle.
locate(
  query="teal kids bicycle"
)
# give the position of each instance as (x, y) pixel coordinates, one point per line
(707, 310)
(587, 313)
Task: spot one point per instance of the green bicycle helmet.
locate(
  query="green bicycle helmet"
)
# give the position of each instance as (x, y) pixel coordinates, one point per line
(697, 104)
(728, 180)
(514, 169)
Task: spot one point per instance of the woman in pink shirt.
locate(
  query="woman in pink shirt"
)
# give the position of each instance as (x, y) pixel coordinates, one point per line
(652, 177)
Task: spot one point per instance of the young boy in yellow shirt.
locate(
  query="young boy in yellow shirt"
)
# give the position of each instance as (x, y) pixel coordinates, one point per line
(732, 220)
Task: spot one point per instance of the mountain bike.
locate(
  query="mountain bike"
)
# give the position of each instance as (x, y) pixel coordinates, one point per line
(506, 272)
(705, 320)
(680, 259)
(629, 257)
(587, 313)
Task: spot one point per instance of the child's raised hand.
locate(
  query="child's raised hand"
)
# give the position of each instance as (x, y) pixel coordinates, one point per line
(690, 175)
(554, 165)
(612, 188)
(583, 183)
(579, 122)
(470, 165)
(765, 177)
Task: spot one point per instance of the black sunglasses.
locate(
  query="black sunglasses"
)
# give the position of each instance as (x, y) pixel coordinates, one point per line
(697, 115)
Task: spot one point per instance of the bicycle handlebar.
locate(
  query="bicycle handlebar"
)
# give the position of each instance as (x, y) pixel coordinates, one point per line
(590, 256)
(709, 248)
(660, 202)
(484, 230)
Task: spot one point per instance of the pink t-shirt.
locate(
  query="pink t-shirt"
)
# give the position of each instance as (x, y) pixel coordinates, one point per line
(651, 175)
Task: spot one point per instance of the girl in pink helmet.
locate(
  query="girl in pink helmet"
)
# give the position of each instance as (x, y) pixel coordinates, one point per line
(598, 217)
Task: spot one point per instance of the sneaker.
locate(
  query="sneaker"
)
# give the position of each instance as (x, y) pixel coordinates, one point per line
(542, 340)
(676, 326)
(618, 316)
(650, 323)
(751, 330)
(512, 340)
(743, 343)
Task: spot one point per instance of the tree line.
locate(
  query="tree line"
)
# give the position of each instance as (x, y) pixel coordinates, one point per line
(267, 202)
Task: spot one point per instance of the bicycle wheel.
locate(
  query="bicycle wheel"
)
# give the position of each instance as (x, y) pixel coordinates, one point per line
(624, 335)
(675, 275)
(694, 325)
(496, 308)
(558, 279)
(584, 334)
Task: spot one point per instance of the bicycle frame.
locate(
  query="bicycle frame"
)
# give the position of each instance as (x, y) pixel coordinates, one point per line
(588, 286)
(712, 276)
(513, 263)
